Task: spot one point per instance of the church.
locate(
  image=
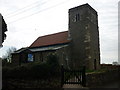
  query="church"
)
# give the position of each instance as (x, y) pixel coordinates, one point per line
(79, 46)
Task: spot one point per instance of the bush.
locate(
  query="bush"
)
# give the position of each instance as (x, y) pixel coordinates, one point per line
(36, 70)
(39, 71)
(52, 62)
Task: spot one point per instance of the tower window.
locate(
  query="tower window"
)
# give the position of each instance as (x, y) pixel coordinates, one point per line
(76, 18)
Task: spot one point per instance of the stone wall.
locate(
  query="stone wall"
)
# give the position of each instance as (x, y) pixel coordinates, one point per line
(42, 56)
(102, 78)
(63, 55)
(15, 59)
(109, 66)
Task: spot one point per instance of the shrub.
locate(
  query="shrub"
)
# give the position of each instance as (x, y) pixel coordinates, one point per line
(52, 62)
(39, 70)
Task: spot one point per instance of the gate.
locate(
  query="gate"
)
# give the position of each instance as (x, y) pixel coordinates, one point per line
(73, 76)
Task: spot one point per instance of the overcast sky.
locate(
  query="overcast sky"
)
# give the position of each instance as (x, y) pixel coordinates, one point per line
(29, 19)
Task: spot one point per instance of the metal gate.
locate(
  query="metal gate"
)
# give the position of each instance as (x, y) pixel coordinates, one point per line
(73, 76)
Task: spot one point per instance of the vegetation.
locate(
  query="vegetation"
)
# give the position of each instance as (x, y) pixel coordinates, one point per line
(44, 72)
(6, 59)
(104, 68)
(39, 70)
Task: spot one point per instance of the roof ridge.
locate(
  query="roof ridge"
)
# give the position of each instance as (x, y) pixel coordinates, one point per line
(52, 34)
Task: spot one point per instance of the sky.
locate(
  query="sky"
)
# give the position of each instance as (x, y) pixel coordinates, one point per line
(28, 19)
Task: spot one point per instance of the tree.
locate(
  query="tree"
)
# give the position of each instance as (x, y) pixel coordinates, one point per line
(8, 54)
(3, 29)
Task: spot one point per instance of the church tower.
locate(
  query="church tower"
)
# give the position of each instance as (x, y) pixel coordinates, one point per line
(84, 36)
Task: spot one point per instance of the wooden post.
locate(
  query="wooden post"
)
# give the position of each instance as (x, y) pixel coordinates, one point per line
(83, 77)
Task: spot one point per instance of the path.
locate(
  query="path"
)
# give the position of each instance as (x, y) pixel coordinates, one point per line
(72, 86)
(78, 86)
(65, 86)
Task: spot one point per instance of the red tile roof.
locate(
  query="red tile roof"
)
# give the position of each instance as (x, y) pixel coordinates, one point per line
(52, 39)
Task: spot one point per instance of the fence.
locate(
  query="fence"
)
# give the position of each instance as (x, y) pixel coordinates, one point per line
(73, 76)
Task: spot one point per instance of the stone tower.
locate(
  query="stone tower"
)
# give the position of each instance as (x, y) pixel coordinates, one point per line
(84, 35)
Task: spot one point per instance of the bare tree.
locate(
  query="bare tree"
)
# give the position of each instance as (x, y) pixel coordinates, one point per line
(8, 54)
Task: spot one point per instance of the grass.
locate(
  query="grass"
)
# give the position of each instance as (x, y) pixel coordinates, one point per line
(103, 69)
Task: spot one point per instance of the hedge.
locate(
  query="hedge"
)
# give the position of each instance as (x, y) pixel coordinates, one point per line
(43, 70)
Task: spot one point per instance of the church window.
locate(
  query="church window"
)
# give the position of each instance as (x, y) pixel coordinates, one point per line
(76, 18)
(30, 57)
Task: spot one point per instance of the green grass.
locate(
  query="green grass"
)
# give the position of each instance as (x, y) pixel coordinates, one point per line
(96, 71)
